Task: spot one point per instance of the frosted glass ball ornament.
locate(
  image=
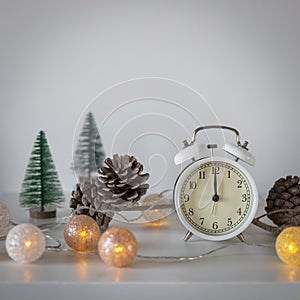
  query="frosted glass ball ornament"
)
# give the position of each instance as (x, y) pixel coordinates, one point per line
(4, 218)
(288, 246)
(25, 243)
(82, 233)
(117, 247)
(156, 216)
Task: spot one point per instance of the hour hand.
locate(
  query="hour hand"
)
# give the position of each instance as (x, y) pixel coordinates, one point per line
(214, 208)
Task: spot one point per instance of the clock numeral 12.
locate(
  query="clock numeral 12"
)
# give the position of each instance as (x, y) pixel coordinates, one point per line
(215, 170)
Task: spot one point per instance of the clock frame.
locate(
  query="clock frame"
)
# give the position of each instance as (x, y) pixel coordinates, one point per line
(225, 188)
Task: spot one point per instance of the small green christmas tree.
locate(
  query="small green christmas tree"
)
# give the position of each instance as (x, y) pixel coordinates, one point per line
(89, 154)
(41, 186)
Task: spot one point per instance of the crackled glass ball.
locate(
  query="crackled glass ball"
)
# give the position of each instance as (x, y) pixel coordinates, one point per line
(25, 243)
(4, 218)
(82, 233)
(157, 216)
(117, 247)
(288, 246)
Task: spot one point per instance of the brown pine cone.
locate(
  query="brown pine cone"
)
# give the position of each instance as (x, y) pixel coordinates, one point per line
(285, 194)
(118, 184)
(87, 195)
(122, 179)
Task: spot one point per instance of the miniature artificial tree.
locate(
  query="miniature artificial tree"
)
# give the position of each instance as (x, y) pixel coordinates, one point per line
(89, 155)
(41, 188)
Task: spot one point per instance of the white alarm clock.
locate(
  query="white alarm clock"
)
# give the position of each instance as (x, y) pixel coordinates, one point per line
(215, 197)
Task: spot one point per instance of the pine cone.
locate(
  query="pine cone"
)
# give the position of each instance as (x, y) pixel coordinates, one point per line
(285, 194)
(122, 180)
(87, 194)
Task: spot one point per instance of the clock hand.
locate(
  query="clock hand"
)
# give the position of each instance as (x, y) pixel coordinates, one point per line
(215, 183)
(215, 197)
(213, 208)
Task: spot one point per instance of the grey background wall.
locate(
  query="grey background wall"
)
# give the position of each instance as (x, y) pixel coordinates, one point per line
(242, 56)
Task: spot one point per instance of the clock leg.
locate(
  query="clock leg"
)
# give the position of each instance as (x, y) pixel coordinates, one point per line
(241, 237)
(188, 236)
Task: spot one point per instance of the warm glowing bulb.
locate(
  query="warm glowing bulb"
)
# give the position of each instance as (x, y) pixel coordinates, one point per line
(82, 233)
(155, 216)
(4, 218)
(117, 247)
(293, 248)
(25, 243)
(288, 246)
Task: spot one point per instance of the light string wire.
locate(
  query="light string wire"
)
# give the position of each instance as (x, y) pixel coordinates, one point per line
(182, 258)
(168, 257)
(152, 257)
(198, 257)
(51, 247)
(144, 209)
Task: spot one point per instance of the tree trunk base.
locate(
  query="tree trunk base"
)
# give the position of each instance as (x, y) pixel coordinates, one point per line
(36, 213)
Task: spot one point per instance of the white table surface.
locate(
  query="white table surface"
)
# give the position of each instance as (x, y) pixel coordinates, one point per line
(237, 272)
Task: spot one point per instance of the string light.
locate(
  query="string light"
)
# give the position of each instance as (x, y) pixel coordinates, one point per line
(25, 243)
(117, 247)
(4, 218)
(288, 246)
(156, 217)
(82, 233)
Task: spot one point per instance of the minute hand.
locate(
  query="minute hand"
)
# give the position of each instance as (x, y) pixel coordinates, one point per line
(215, 197)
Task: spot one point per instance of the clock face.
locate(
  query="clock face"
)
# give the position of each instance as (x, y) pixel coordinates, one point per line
(215, 198)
